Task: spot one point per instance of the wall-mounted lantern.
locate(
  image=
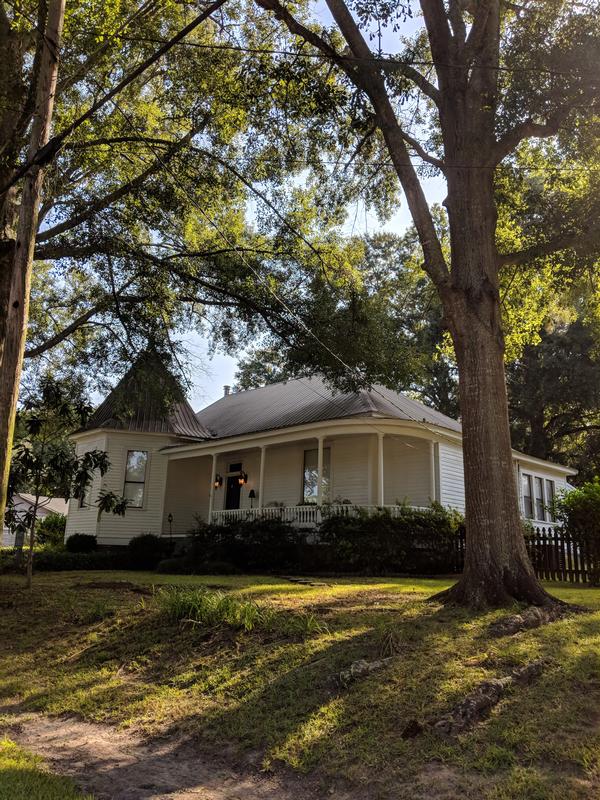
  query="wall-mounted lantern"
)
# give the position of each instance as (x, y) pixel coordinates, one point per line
(218, 481)
(170, 521)
(243, 478)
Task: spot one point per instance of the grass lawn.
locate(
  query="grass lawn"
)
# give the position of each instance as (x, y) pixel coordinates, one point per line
(109, 654)
(24, 777)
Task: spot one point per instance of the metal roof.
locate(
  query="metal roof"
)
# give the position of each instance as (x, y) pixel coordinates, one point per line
(137, 404)
(306, 400)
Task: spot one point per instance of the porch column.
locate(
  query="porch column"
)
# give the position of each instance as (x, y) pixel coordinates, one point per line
(320, 471)
(211, 494)
(380, 474)
(261, 478)
(435, 487)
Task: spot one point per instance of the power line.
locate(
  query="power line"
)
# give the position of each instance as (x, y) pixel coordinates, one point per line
(388, 60)
(352, 371)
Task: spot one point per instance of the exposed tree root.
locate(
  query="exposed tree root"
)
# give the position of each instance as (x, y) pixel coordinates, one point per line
(359, 669)
(532, 617)
(478, 703)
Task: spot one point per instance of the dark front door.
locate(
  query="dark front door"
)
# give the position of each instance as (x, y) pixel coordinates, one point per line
(232, 492)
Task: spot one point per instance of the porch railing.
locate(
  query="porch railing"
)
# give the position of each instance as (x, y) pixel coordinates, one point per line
(302, 515)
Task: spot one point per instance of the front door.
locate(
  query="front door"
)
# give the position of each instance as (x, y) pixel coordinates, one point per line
(232, 492)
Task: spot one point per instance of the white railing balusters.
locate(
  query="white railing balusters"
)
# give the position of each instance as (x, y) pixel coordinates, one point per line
(303, 515)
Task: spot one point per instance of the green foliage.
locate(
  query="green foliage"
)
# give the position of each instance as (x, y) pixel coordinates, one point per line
(579, 512)
(81, 543)
(412, 541)
(51, 529)
(212, 609)
(146, 550)
(55, 560)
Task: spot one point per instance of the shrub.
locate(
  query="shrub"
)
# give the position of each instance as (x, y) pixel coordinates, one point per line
(62, 560)
(412, 541)
(182, 565)
(579, 512)
(51, 529)
(81, 543)
(257, 544)
(146, 550)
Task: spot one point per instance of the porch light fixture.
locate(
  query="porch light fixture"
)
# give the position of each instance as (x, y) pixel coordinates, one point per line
(243, 478)
(218, 481)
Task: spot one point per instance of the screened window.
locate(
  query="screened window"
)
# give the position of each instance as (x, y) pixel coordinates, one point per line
(311, 475)
(550, 497)
(527, 495)
(135, 477)
(540, 507)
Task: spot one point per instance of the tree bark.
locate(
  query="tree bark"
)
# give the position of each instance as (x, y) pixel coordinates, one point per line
(18, 291)
(497, 567)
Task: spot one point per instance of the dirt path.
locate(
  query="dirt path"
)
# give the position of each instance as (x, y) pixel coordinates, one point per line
(118, 765)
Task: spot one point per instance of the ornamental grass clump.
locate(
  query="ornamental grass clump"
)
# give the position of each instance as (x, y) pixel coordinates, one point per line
(213, 609)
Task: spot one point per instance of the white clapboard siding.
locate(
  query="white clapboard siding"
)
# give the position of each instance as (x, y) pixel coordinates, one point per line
(111, 529)
(187, 493)
(407, 471)
(452, 480)
(84, 520)
(350, 469)
(283, 473)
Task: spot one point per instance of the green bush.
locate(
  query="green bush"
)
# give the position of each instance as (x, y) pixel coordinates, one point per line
(249, 545)
(81, 543)
(182, 565)
(146, 550)
(55, 560)
(579, 513)
(51, 529)
(412, 541)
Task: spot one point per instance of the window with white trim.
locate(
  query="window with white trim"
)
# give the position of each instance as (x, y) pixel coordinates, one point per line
(311, 475)
(540, 506)
(527, 484)
(135, 477)
(550, 498)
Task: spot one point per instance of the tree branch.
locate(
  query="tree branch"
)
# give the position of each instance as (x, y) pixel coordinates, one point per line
(104, 202)
(574, 239)
(526, 130)
(47, 153)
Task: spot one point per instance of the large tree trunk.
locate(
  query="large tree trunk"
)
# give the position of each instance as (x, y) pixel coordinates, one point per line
(497, 568)
(13, 346)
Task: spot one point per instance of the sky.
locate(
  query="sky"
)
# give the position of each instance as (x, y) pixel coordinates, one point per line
(211, 373)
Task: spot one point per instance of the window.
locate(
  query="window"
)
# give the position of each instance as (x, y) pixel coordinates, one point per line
(135, 477)
(311, 475)
(550, 497)
(540, 507)
(527, 495)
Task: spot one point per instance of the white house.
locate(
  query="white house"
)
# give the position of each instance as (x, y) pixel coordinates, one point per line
(282, 451)
(24, 502)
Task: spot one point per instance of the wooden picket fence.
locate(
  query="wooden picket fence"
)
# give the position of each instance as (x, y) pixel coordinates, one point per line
(554, 554)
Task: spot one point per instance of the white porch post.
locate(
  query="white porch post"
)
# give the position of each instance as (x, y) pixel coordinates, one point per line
(320, 471)
(261, 477)
(211, 495)
(380, 473)
(435, 488)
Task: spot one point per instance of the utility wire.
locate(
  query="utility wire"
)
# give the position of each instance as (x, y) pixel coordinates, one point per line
(353, 372)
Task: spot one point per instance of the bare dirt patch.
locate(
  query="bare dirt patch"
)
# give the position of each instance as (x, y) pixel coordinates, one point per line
(116, 764)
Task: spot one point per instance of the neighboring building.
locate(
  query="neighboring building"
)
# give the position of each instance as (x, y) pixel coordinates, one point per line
(23, 502)
(281, 451)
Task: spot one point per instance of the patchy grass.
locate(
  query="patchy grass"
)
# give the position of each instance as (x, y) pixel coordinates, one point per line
(88, 643)
(24, 776)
